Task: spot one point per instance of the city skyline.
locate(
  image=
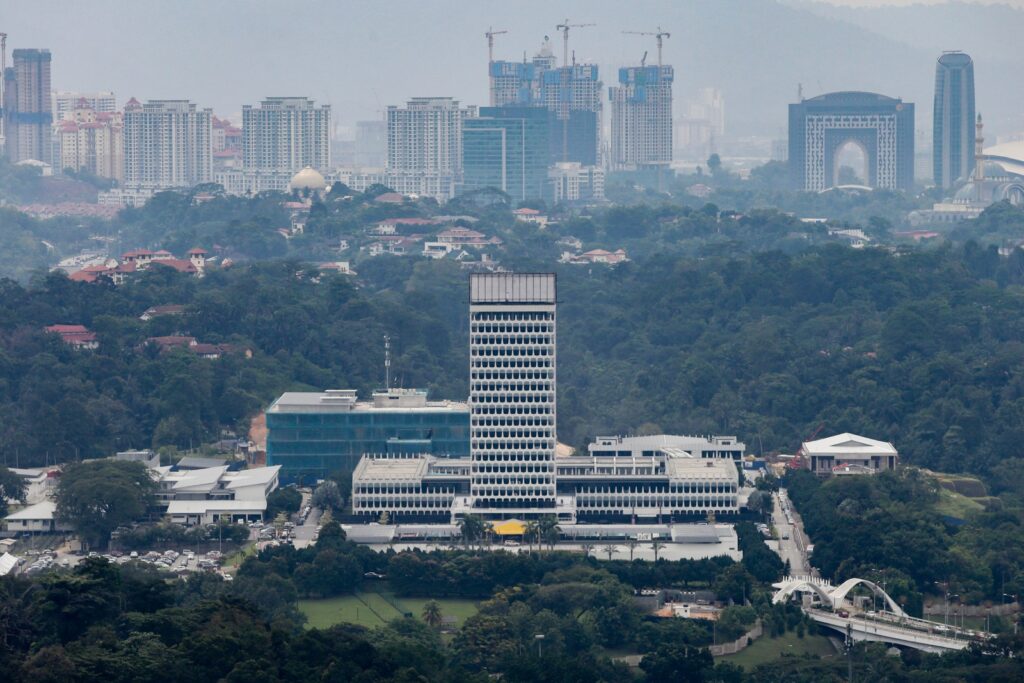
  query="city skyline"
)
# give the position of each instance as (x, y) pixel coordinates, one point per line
(304, 57)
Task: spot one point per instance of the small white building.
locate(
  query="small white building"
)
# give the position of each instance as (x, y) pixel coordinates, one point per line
(208, 495)
(192, 512)
(38, 518)
(848, 453)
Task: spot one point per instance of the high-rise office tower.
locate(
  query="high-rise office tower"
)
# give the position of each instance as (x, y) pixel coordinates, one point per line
(642, 117)
(65, 103)
(953, 126)
(167, 143)
(425, 145)
(512, 393)
(28, 113)
(506, 148)
(286, 134)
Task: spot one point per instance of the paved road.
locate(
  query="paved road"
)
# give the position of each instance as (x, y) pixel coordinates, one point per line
(304, 533)
(792, 548)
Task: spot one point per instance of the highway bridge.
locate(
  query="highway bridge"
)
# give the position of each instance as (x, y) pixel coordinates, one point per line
(834, 607)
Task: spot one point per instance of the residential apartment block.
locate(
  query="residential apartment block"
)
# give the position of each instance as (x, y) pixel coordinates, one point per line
(641, 118)
(286, 134)
(167, 144)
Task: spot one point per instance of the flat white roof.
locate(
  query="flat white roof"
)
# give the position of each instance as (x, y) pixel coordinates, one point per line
(330, 402)
(390, 469)
(664, 441)
(701, 468)
(199, 507)
(44, 511)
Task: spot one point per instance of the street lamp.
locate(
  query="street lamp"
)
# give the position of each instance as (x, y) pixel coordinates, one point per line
(539, 639)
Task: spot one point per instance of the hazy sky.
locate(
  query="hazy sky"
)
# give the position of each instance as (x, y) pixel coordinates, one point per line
(362, 55)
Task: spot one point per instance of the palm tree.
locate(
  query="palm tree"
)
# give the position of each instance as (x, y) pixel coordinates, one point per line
(587, 549)
(432, 614)
(549, 530)
(532, 531)
(472, 528)
(610, 551)
(631, 546)
(657, 546)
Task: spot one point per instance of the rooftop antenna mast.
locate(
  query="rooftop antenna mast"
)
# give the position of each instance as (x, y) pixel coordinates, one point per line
(387, 362)
(659, 35)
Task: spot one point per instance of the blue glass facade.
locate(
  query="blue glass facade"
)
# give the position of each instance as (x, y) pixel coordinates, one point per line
(953, 123)
(309, 443)
(507, 148)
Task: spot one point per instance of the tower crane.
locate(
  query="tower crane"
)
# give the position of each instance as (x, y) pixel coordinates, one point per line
(489, 34)
(564, 28)
(659, 35)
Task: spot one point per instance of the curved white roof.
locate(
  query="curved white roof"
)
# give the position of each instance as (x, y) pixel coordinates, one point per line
(1009, 155)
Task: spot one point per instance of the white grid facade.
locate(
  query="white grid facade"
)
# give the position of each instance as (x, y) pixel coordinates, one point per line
(512, 392)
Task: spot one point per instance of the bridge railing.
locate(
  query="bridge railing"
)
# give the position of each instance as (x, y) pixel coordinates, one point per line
(904, 626)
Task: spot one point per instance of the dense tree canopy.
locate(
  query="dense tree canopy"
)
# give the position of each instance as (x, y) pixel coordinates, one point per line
(97, 497)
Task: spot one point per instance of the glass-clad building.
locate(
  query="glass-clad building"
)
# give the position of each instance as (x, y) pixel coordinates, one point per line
(953, 125)
(313, 434)
(506, 148)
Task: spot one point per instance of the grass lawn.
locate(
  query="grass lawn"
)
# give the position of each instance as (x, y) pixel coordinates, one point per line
(371, 609)
(348, 609)
(956, 505)
(767, 649)
(451, 607)
(382, 607)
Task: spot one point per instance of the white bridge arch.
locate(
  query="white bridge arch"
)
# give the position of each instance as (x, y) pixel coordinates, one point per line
(831, 596)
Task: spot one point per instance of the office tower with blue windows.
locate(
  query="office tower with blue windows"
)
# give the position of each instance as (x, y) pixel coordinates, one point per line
(506, 148)
(314, 434)
(953, 125)
(641, 118)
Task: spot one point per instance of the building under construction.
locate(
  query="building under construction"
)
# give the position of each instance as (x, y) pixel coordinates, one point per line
(571, 92)
(641, 118)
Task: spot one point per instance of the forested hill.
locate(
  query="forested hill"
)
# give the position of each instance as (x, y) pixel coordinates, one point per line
(922, 349)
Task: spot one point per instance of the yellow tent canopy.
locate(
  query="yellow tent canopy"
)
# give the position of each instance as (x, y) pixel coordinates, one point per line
(510, 527)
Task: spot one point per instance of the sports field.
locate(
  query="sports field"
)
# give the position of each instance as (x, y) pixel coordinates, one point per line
(375, 609)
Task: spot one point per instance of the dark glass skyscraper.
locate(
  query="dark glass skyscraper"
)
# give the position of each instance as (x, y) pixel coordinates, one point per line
(507, 148)
(953, 128)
